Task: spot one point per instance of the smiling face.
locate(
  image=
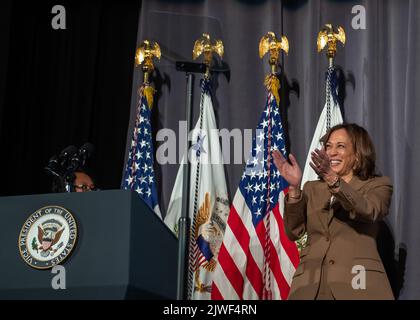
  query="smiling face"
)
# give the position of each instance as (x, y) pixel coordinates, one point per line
(339, 148)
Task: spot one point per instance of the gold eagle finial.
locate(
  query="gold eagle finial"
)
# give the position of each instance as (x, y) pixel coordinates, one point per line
(270, 44)
(144, 56)
(204, 46)
(327, 36)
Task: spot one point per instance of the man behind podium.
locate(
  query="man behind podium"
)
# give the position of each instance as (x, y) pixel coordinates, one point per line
(83, 182)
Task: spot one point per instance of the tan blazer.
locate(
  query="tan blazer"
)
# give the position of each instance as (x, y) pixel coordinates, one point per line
(341, 235)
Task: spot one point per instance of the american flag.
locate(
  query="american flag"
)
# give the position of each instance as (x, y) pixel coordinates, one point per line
(139, 174)
(256, 259)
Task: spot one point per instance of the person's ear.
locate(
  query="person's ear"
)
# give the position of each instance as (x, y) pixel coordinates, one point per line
(356, 162)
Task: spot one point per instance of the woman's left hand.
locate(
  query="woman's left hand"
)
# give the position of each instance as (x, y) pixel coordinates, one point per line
(322, 165)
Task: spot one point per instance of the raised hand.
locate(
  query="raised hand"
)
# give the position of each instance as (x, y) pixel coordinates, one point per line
(289, 171)
(322, 165)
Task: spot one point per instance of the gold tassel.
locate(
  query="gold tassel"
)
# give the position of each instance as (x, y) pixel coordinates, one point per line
(272, 83)
(148, 92)
(211, 266)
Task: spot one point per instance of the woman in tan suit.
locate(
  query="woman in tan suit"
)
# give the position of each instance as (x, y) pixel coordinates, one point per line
(339, 212)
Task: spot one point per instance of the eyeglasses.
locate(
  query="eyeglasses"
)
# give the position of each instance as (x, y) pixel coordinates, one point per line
(85, 187)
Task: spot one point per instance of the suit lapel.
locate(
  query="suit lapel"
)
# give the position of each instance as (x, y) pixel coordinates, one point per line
(356, 184)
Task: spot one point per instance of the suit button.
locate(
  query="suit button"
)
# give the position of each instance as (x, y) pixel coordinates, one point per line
(327, 239)
(331, 262)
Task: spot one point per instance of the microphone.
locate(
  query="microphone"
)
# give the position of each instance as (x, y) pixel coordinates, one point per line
(63, 166)
(53, 167)
(85, 152)
(66, 153)
(79, 158)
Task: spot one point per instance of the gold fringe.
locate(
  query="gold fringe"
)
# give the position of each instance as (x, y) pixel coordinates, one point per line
(272, 83)
(211, 265)
(148, 92)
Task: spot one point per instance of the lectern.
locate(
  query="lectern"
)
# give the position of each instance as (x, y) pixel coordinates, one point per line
(123, 250)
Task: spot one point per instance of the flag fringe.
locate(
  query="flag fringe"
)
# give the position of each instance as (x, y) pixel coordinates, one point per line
(148, 92)
(272, 83)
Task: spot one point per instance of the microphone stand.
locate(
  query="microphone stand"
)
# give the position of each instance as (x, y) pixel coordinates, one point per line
(77, 160)
(68, 181)
(184, 222)
(55, 170)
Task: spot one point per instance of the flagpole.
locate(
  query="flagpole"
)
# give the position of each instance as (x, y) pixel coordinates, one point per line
(184, 276)
(184, 221)
(185, 282)
(330, 116)
(271, 45)
(328, 38)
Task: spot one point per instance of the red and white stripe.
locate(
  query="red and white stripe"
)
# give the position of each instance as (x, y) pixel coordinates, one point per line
(239, 273)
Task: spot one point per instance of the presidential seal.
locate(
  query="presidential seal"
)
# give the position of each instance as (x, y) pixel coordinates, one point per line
(47, 237)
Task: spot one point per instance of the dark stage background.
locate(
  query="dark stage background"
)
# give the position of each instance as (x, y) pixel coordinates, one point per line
(62, 87)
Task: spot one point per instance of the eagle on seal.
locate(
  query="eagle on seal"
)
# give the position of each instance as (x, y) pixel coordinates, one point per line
(48, 237)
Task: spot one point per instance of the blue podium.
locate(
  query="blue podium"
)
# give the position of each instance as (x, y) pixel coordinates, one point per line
(123, 250)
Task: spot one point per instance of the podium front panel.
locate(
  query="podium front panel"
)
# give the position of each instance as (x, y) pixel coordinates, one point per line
(123, 250)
